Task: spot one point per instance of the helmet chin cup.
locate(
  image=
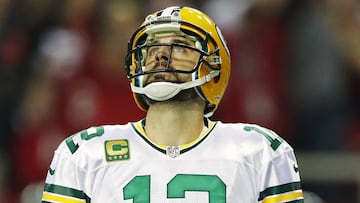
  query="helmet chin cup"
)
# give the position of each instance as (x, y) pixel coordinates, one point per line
(159, 91)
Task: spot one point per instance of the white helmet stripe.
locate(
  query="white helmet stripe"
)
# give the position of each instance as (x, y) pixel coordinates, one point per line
(169, 11)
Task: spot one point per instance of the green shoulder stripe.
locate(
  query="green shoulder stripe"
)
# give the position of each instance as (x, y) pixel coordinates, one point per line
(279, 189)
(69, 192)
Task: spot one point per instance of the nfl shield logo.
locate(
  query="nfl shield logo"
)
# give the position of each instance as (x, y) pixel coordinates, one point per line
(173, 151)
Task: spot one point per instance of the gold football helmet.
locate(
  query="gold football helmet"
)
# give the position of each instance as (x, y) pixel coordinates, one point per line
(211, 73)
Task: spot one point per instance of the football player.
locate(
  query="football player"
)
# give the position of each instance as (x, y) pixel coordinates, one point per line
(178, 65)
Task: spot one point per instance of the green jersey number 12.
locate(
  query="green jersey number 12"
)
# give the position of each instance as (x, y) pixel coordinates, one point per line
(138, 188)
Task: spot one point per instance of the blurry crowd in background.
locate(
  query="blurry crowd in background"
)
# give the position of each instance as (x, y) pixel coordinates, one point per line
(295, 69)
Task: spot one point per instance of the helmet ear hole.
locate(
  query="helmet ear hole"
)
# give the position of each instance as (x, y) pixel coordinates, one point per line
(217, 78)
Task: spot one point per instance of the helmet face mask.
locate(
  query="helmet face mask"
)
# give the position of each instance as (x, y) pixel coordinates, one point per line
(210, 74)
(146, 52)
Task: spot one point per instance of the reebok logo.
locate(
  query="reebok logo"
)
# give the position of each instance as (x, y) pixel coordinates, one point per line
(51, 171)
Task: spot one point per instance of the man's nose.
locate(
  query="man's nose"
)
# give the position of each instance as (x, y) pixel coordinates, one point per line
(162, 53)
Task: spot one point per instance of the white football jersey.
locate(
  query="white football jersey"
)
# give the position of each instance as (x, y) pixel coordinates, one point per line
(240, 163)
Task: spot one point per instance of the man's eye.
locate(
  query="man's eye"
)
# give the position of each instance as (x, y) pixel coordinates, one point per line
(153, 51)
(179, 49)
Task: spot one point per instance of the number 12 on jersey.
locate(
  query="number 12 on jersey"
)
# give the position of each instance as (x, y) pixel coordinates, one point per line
(138, 188)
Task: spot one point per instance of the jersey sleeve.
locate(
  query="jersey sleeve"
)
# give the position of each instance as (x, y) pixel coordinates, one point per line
(64, 180)
(279, 175)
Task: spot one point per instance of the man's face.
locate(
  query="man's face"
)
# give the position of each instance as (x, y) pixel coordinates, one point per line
(180, 58)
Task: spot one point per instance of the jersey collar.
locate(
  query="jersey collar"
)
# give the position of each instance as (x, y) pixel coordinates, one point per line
(139, 128)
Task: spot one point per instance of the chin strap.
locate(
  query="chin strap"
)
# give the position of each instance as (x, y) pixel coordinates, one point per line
(161, 91)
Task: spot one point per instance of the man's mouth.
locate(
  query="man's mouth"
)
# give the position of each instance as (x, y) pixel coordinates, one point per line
(160, 68)
(162, 77)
